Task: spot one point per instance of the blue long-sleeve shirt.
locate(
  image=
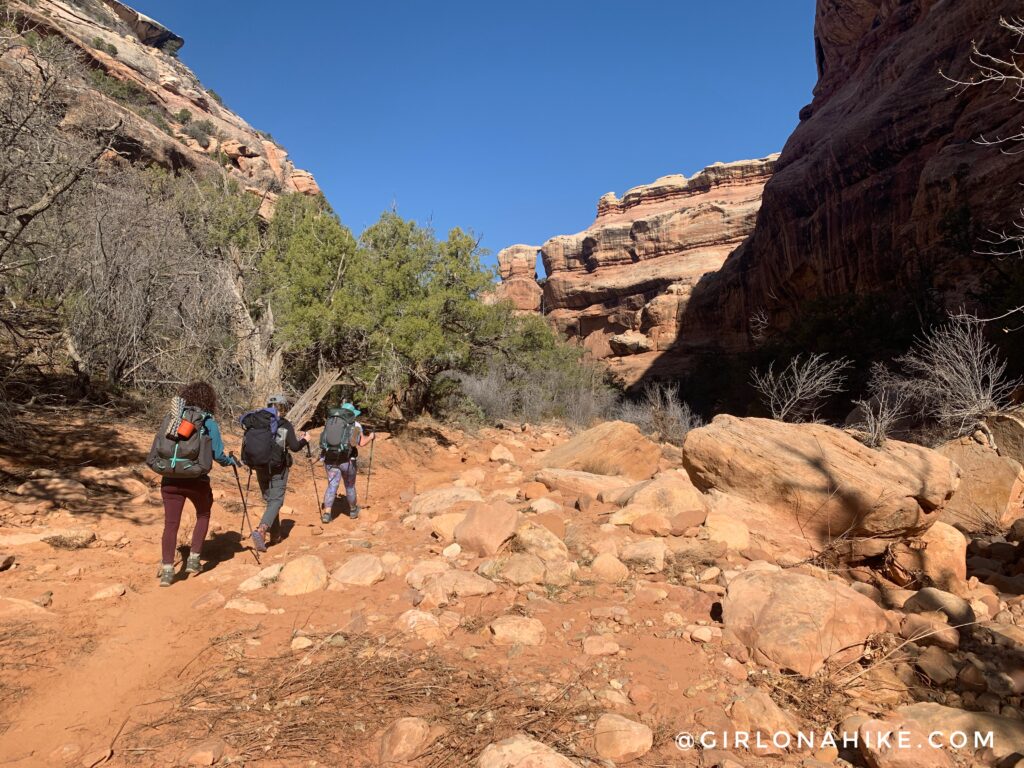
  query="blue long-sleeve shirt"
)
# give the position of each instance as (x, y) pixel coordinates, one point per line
(217, 442)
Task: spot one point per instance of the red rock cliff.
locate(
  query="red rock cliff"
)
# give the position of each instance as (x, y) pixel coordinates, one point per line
(882, 187)
(161, 97)
(618, 286)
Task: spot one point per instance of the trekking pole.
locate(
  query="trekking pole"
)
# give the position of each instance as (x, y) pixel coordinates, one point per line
(369, 467)
(245, 507)
(312, 471)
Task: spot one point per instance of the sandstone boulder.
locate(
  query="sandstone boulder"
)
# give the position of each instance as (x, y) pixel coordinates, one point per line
(820, 480)
(360, 571)
(438, 500)
(670, 493)
(538, 540)
(572, 482)
(516, 630)
(487, 527)
(991, 492)
(796, 621)
(940, 555)
(302, 575)
(608, 569)
(440, 588)
(956, 609)
(1007, 733)
(620, 739)
(522, 752)
(614, 448)
(886, 744)
(442, 527)
(403, 741)
(62, 490)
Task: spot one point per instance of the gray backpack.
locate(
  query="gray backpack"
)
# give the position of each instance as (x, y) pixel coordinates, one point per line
(182, 449)
(336, 439)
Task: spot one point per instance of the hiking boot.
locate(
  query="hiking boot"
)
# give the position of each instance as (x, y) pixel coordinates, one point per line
(354, 512)
(166, 575)
(325, 516)
(193, 566)
(259, 539)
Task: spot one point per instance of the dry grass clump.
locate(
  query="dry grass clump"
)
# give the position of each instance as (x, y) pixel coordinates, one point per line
(333, 705)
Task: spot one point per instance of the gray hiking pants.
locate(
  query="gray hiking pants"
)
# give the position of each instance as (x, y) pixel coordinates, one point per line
(273, 486)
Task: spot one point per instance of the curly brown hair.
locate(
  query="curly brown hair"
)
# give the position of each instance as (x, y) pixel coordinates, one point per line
(199, 394)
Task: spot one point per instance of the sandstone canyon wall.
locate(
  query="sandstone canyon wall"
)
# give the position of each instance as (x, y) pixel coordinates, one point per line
(138, 78)
(618, 287)
(882, 188)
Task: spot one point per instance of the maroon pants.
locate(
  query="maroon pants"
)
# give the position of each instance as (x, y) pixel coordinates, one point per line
(175, 493)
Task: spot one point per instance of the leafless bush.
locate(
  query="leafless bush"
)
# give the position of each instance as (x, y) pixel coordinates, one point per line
(883, 410)
(952, 375)
(41, 161)
(797, 391)
(660, 411)
(759, 325)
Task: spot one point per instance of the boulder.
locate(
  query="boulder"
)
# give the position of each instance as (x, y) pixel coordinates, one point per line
(267, 576)
(956, 609)
(991, 492)
(731, 533)
(796, 621)
(360, 571)
(443, 499)
(522, 568)
(301, 576)
(620, 739)
(646, 555)
(114, 590)
(572, 482)
(516, 630)
(608, 569)
(540, 541)
(521, 751)
(652, 524)
(670, 493)
(442, 527)
(940, 555)
(403, 741)
(440, 588)
(611, 448)
(600, 645)
(420, 624)
(819, 481)
(1007, 733)
(487, 527)
(898, 744)
(502, 454)
(423, 570)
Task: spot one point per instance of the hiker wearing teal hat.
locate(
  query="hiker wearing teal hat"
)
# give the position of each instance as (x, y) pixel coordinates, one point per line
(339, 446)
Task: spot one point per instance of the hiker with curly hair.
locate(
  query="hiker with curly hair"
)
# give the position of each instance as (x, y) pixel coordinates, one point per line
(183, 452)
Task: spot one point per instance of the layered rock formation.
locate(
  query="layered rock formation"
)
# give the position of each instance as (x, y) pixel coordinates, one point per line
(517, 268)
(883, 187)
(620, 285)
(166, 114)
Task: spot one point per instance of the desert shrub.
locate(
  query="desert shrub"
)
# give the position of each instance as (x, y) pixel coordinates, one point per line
(102, 45)
(880, 413)
(172, 46)
(796, 392)
(122, 91)
(660, 411)
(201, 131)
(952, 376)
(183, 116)
(534, 376)
(215, 96)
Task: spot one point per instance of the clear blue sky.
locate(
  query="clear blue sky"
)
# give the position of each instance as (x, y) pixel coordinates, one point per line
(508, 118)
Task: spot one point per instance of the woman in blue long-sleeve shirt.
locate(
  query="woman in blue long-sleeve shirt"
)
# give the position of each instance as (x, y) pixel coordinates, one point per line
(176, 491)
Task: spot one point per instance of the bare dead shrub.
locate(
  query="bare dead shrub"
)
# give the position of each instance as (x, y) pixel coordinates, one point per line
(882, 411)
(953, 376)
(796, 392)
(660, 411)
